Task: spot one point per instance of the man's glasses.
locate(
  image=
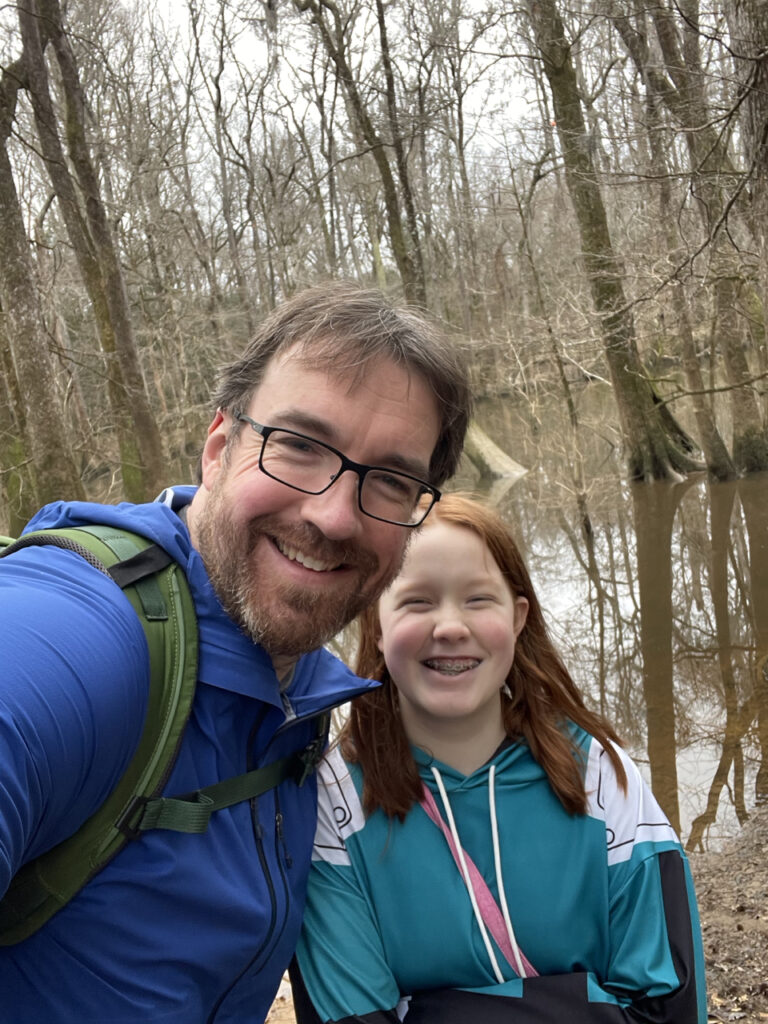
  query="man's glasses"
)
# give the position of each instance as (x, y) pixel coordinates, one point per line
(311, 466)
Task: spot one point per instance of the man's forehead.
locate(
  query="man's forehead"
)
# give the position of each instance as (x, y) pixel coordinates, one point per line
(323, 399)
(346, 365)
(379, 374)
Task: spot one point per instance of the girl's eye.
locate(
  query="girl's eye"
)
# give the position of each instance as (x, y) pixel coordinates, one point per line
(480, 599)
(414, 602)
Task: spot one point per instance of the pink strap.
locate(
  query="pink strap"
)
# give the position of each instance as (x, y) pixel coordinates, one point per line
(489, 909)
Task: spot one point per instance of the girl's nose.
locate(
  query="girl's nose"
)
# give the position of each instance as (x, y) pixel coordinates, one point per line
(450, 626)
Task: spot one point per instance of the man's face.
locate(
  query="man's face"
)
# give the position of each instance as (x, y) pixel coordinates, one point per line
(290, 568)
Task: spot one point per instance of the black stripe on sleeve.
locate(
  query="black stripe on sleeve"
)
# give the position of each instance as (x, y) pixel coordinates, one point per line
(306, 1013)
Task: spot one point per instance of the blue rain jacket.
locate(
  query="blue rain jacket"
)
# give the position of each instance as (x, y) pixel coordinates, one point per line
(178, 928)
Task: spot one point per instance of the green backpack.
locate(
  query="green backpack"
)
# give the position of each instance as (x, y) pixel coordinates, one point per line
(157, 588)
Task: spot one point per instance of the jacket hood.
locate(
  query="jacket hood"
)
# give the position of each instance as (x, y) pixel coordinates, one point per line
(228, 658)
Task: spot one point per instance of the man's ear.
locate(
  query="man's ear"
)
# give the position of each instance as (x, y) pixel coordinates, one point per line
(212, 458)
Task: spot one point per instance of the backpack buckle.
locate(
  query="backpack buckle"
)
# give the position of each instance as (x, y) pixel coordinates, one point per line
(129, 822)
(308, 759)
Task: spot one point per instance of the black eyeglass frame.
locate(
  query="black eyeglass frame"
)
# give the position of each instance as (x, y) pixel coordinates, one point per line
(346, 464)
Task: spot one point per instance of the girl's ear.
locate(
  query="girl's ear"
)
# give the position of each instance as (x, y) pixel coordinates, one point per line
(380, 644)
(520, 615)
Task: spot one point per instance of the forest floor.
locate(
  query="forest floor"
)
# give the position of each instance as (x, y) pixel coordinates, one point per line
(732, 890)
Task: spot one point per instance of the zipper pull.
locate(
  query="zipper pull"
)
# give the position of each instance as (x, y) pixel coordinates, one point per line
(281, 838)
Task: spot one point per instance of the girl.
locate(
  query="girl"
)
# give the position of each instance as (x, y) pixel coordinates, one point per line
(486, 852)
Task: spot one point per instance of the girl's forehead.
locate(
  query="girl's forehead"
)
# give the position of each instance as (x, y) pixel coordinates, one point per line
(444, 550)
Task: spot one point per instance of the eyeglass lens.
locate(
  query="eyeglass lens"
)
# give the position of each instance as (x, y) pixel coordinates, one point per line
(310, 466)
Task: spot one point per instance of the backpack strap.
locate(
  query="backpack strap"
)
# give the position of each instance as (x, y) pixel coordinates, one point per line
(191, 813)
(162, 601)
(157, 588)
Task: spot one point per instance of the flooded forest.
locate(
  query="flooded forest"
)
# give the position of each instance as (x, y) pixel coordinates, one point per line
(577, 189)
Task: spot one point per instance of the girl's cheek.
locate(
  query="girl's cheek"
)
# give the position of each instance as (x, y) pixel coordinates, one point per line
(499, 632)
(406, 637)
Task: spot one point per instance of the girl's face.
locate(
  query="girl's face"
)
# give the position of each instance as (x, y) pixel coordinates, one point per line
(449, 623)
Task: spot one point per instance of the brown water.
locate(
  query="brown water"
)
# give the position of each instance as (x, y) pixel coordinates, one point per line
(657, 595)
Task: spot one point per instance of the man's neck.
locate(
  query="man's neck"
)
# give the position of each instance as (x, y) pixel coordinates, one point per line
(190, 516)
(283, 666)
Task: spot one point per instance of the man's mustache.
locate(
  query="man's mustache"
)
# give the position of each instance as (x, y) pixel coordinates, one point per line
(311, 541)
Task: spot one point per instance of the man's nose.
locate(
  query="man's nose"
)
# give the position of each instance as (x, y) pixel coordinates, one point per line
(335, 512)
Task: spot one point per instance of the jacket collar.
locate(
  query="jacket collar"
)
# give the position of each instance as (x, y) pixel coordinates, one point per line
(228, 659)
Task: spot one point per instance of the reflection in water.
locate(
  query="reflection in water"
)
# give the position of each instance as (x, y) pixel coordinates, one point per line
(722, 500)
(753, 501)
(658, 597)
(654, 513)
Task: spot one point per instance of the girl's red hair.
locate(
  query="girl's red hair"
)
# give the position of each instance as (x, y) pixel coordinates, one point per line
(544, 697)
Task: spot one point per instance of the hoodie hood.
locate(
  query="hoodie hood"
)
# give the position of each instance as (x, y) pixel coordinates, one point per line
(513, 758)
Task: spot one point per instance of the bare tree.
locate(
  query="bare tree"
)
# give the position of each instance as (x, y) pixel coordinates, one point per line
(402, 228)
(716, 454)
(716, 187)
(142, 458)
(656, 447)
(748, 20)
(34, 442)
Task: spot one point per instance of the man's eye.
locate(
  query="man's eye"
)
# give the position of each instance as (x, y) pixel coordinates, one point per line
(393, 484)
(286, 444)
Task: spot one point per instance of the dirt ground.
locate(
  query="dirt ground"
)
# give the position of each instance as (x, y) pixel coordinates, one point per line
(282, 1008)
(732, 890)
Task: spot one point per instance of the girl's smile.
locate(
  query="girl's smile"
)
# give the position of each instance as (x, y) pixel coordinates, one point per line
(449, 624)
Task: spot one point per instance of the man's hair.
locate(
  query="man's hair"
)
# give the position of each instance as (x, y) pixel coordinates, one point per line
(342, 328)
(544, 697)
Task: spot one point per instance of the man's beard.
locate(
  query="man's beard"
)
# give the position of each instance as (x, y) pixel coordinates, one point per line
(287, 620)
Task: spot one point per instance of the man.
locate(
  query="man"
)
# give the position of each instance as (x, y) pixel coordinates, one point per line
(342, 414)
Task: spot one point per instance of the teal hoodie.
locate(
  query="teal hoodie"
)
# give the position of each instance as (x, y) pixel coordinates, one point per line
(601, 904)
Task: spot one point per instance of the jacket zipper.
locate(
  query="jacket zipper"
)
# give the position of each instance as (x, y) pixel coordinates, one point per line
(280, 846)
(258, 834)
(281, 835)
(259, 838)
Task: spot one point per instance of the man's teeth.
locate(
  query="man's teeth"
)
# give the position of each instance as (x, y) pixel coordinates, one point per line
(452, 666)
(306, 560)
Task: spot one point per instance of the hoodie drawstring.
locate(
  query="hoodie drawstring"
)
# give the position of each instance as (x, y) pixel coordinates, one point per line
(499, 876)
(499, 921)
(467, 879)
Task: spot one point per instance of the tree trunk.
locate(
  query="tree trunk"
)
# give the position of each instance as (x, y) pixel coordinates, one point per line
(18, 497)
(38, 451)
(141, 451)
(403, 174)
(654, 444)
